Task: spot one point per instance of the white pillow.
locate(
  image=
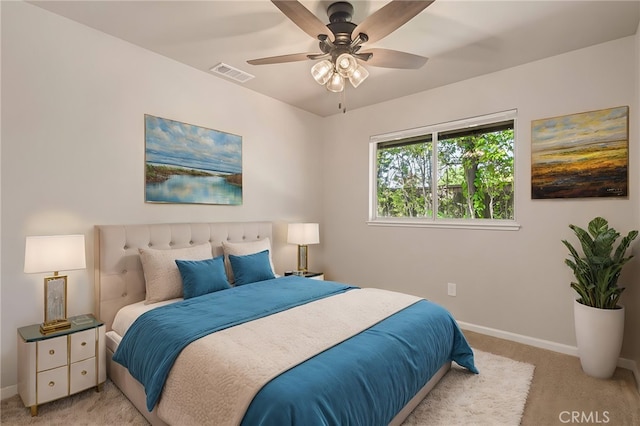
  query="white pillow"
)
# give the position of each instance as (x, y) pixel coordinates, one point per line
(243, 249)
(161, 274)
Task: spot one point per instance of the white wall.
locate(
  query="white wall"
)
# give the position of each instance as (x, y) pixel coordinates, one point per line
(515, 281)
(73, 105)
(634, 316)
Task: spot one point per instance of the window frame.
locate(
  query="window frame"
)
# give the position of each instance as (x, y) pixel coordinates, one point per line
(375, 140)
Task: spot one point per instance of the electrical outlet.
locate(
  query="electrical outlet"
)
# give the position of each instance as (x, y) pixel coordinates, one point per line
(451, 289)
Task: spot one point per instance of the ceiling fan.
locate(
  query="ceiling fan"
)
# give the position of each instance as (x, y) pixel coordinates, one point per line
(341, 41)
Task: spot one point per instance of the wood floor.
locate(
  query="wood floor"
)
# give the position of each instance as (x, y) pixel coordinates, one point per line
(561, 394)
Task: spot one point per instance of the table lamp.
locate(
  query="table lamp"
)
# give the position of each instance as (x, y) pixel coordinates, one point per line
(303, 234)
(53, 254)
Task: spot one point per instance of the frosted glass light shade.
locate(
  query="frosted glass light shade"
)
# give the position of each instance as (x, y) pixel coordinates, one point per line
(336, 83)
(303, 233)
(358, 76)
(322, 71)
(54, 253)
(346, 65)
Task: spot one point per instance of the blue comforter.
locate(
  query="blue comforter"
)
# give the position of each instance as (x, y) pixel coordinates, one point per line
(365, 380)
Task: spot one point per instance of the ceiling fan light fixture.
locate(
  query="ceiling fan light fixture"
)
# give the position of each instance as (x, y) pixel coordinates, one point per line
(358, 76)
(346, 65)
(336, 83)
(321, 71)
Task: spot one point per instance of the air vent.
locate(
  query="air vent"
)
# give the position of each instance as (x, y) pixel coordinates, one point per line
(231, 72)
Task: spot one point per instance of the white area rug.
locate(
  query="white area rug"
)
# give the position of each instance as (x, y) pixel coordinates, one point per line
(494, 397)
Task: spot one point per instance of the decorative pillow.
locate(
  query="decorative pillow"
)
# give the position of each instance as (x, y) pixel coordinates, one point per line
(161, 275)
(242, 249)
(202, 276)
(251, 268)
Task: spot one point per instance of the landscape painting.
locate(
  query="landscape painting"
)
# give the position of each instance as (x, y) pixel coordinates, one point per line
(191, 164)
(581, 155)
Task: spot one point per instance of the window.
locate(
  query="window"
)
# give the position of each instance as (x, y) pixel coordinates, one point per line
(454, 174)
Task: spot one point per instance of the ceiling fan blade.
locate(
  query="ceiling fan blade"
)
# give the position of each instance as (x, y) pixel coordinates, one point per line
(294, 57)
(389, 18)
(387, 58)
(302, 17)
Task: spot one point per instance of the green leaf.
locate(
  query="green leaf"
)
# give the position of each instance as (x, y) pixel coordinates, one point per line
(597, 270)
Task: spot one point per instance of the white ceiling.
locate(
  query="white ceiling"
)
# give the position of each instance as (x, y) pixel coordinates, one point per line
(463, 39)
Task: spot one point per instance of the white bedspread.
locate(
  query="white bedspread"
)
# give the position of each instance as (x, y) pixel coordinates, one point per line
(214, 379)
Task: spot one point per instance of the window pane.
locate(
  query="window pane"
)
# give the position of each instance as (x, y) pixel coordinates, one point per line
(475, 173)
(404, 178)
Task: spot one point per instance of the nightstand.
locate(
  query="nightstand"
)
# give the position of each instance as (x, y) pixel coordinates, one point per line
(62, 363)
(312, 275)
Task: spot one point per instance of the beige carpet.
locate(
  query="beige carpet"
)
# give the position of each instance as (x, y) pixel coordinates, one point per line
(495, 397)
(560, 389)
(88, 408)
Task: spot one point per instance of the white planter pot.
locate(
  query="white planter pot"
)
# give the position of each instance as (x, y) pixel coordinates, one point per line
(599, 336)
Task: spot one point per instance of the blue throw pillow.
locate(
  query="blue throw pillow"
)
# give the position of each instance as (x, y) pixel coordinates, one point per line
(251, 268)
(202, 276)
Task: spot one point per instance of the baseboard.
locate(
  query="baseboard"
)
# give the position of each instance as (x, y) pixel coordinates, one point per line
(636, 374)
(544, 344)
(8, 392)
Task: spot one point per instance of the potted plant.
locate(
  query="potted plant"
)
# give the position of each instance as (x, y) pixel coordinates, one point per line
(599, 320)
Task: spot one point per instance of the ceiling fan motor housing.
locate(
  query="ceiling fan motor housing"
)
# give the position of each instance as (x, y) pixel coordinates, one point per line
(340, 14)
(340, 24)
(340, 11)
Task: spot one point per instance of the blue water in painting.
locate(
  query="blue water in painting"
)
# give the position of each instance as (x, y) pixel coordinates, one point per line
(194, 189)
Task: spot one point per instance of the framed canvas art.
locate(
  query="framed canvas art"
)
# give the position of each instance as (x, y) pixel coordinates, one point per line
(191, 164)
(581, 155)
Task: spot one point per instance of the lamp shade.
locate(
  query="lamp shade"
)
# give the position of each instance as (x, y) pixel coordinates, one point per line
(303, 233)
(54, 253)
(322, 71)
(358, 76)
(336, 83)
(346, 65)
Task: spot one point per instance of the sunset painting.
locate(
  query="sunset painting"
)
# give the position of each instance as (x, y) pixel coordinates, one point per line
(581, 155)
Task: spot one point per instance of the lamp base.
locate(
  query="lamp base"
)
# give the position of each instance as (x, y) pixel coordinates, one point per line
(53, 326)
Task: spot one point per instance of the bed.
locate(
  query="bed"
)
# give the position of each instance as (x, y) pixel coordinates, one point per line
(274, 350)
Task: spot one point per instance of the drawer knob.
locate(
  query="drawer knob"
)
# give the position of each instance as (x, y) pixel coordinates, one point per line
(51, 352)
(52, 384)
(84, 372)
(83, 344)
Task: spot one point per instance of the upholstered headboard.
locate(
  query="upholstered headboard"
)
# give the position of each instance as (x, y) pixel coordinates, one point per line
(119, 279)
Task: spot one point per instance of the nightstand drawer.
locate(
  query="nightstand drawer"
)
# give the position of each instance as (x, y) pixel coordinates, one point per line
(52, 384)
(82, 375)
(83, 345)
(52, 353)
